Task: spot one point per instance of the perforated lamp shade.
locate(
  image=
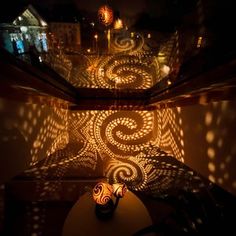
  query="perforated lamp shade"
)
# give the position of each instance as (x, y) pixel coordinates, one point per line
(102, 193)
(119, 190)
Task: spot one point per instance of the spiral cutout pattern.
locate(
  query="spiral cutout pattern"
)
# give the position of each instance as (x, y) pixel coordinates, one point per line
(123, 72)
(120, 134)
(102, 193)
(128, 44)
(129, 172)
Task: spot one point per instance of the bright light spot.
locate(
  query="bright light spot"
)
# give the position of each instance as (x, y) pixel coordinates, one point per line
(20, 18)
(43, 23)
(199, 42)
(211, 167)
(210, 136)
(88, 50)
(36, 144)
(212, 178)
(118, 24)
(208, 118)
(211, 153)
(23, 29)
(132, 34)
(165, 70)
(149, 36)
(96, 36)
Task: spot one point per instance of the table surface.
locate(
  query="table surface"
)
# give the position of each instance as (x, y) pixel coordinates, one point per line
(130, 216)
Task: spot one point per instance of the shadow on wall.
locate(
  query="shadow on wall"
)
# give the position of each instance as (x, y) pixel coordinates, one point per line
(209, 137)
(29, 133)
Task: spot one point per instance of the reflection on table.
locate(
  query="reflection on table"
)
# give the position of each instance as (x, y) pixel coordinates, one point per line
(129, 217)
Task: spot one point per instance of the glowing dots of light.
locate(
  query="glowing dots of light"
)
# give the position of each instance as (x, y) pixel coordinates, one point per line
(211, 167)
(210, 136)
(212, 178)
(208, 118)
(211, 153)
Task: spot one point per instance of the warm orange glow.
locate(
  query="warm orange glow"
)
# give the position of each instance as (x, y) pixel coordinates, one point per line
(102, 193)
(199, 42)
(118, 24)
(105, 15)
(119, 189)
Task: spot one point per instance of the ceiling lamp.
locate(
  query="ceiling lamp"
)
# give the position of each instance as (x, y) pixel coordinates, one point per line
(105, 15)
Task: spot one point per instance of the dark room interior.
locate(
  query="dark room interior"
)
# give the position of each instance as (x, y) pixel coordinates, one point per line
(117, 117)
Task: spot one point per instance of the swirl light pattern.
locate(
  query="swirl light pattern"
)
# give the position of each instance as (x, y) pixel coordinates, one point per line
(126, 44)
(125, 146)
(121, 134)
(102, 193)
(124, 71)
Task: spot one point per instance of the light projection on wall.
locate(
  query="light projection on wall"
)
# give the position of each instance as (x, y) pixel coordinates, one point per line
(115, 143)
(220, 150)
